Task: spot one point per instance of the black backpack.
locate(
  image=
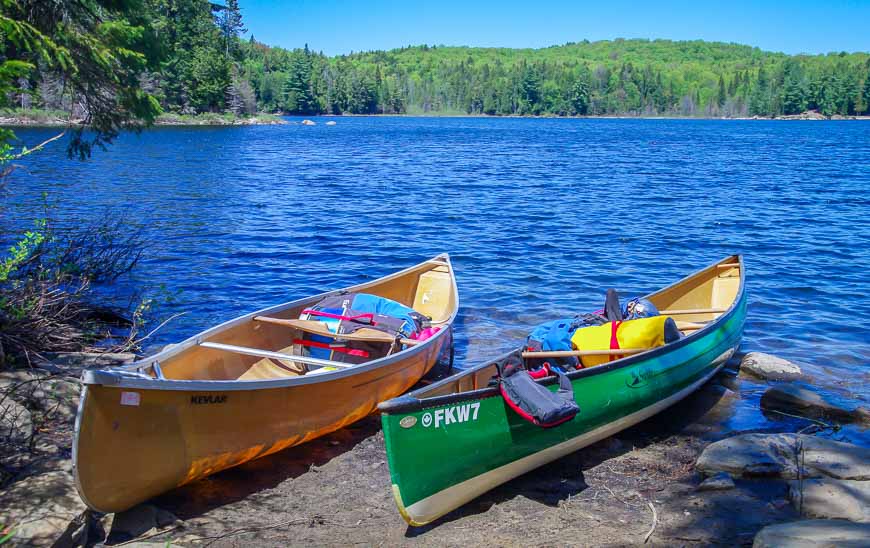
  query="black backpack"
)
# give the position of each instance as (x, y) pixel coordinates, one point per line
(533, 401)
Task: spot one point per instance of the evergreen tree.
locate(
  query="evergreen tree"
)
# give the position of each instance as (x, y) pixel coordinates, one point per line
(735, 82)
(722, 96)
(828, 101)
(580, 93)
(196, 72)
(793, 92)
(230, 23)
(530, 92)
(99, 48)
(865, 94)
(759, 101)
(298, 96)
(210, 77)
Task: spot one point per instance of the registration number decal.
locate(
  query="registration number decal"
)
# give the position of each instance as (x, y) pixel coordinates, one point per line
(450, 415)
(131, 398)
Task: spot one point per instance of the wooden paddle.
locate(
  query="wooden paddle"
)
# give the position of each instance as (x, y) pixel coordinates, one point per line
(570, 353)
(315, 327)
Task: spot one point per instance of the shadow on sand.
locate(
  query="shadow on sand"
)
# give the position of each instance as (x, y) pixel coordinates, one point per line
(237, 483)
(564, 479)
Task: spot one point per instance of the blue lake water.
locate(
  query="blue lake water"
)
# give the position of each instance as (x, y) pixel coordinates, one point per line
(540, 216)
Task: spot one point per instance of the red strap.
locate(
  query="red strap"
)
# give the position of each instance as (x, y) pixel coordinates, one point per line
(340, 349)
(519, 411)
(614, 340)
(541, 373)
(369, 316)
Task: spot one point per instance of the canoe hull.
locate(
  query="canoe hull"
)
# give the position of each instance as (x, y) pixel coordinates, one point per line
(222, 397)
(449, 453)
(135, 443)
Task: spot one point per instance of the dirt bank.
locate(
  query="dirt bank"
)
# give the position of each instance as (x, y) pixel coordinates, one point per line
(337, 490)
(639, 484)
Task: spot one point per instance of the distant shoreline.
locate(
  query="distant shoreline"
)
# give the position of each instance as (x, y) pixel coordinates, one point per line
(39, 119)
(43, 119)
(793, 117)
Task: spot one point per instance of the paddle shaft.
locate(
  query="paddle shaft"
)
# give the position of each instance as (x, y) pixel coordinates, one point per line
(347, 336)
(570, 353)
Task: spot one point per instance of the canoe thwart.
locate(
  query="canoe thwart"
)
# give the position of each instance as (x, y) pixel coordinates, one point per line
(273, 355)
(692, 311)
(683, 325)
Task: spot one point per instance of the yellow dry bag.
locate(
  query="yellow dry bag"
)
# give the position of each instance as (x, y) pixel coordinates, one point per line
(640, 333)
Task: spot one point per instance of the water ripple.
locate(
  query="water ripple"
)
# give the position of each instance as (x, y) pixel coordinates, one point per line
(540, 216)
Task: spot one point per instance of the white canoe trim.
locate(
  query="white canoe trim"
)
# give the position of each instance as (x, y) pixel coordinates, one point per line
(436, 505)
(131, 379)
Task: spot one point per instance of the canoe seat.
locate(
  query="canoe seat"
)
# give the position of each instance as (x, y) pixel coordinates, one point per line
(268, 368)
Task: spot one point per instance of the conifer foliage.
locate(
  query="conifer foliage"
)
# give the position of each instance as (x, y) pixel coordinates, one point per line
(206, 66)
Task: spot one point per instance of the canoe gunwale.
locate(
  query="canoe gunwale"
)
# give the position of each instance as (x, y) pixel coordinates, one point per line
(410, 402)
(127, 380)
(128, 376)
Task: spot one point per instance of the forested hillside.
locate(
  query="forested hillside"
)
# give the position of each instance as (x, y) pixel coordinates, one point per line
(208, 68)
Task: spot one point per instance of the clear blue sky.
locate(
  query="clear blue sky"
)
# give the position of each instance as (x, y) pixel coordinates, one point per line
(336, 27)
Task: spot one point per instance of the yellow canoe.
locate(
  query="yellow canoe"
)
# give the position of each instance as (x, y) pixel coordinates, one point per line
(232, 394)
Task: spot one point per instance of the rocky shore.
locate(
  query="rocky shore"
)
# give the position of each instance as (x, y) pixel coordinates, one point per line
(689, 476)
(208, 119)
(39, 119)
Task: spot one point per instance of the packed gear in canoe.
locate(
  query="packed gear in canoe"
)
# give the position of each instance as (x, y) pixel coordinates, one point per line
(637, 325)
(633, 334)
(488, 416)
(348, 313)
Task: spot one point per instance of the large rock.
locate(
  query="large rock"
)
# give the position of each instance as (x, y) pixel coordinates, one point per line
(832, 499)
(40, 391)
(814, 533)
(767, 366)
(40, 508)
(779, 455)
(751, 455)
(139, 520)
(719, 482)
(16, 424)
(806, 401)
(57, 396)
(90, 359)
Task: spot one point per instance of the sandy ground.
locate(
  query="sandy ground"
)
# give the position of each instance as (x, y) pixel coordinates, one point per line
(336, 491)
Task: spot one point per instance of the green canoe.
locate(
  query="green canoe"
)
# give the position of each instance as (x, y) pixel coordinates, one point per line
(456, 439)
